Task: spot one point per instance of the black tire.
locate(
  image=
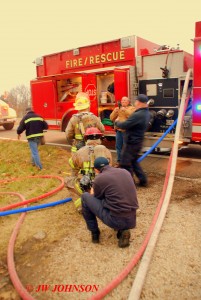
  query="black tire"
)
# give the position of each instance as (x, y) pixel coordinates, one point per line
(110, 138)
(8, 126)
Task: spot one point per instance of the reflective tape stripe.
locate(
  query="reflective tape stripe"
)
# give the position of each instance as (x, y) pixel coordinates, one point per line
(78, 202)
(86, 171)
(34, 135)
(86, 165)
(78, 188)
(73, 149)
(197, 129)
(53, 122)
(78, 137)
(33, 119)
(71, 163)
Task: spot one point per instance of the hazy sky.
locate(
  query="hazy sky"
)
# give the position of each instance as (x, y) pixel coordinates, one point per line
(30, 29)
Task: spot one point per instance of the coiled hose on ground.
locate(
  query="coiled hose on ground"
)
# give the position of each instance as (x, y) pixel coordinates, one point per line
(10, 253)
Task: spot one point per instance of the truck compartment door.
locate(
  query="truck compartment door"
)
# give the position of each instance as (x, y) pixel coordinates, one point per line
(120, 84)
(44, 102)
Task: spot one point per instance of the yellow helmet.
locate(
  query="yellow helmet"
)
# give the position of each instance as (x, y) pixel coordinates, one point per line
(82, 101)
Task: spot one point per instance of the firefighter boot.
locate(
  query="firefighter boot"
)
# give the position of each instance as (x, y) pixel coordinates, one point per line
(124, 237)
(69, 182)
(95, 236)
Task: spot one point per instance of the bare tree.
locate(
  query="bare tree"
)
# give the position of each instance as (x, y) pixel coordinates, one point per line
(19, 98)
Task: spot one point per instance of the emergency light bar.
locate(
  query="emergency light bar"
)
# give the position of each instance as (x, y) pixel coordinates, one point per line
(198, 107)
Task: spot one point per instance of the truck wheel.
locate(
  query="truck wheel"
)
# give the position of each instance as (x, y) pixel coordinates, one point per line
(8, 126)
(64, 125)
(110, 138)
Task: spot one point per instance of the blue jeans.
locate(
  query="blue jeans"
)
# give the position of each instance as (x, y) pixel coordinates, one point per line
(119, 144)
(93, 207)
(33, 145)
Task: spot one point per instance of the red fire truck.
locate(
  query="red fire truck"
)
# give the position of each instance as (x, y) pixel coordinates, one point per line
(123, 67)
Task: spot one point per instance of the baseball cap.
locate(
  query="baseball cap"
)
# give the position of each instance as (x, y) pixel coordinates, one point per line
(142, 98)
(100, 162)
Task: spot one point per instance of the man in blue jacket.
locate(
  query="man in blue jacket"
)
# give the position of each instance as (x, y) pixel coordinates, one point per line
(34, 125)
(135, 127)
(113, 200)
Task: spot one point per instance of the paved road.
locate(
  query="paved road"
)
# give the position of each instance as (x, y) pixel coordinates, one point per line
(52, 136)
(58, 138)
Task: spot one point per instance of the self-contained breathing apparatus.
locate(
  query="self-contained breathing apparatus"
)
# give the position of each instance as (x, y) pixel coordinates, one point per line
(90, 132)
(80, 143)
(88, 174)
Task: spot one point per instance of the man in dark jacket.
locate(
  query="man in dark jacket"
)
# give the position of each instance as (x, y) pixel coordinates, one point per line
(34, 125)
(113, 200)
(135, 127)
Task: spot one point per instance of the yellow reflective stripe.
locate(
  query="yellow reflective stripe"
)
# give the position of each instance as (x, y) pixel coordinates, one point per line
(86, 171)
(73, 149)
(33, 119)
(78, 137)
(78, 188)
(34, 135)
(71, 163)
(78, 202)
(86, 164)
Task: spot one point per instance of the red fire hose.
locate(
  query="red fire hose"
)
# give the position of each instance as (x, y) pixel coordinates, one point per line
(10, 253)
(121, 276)
(116, 281)
(35, 198)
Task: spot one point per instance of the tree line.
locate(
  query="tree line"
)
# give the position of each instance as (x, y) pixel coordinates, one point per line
(19, 98)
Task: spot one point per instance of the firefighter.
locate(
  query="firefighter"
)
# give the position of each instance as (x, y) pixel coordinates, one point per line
(79, 122)
(34, 126)
(122, 112)
(113, 200)
(135, 127)
(82, 163)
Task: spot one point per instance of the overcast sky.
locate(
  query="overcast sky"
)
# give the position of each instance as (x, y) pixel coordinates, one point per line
(30, 29)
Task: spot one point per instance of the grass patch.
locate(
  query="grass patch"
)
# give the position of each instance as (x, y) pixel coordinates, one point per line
(15, 163)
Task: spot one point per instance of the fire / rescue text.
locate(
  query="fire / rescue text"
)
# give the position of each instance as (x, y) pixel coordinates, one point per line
(96, 59)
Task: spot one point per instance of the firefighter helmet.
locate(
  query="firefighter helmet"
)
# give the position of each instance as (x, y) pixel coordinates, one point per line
(92, 133)
(82, 101)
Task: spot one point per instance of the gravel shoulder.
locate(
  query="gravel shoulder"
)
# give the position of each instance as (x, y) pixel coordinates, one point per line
(54, 247)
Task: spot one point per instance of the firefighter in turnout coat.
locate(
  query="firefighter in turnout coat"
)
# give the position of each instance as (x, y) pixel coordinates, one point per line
(82, 163)
(79, 122)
